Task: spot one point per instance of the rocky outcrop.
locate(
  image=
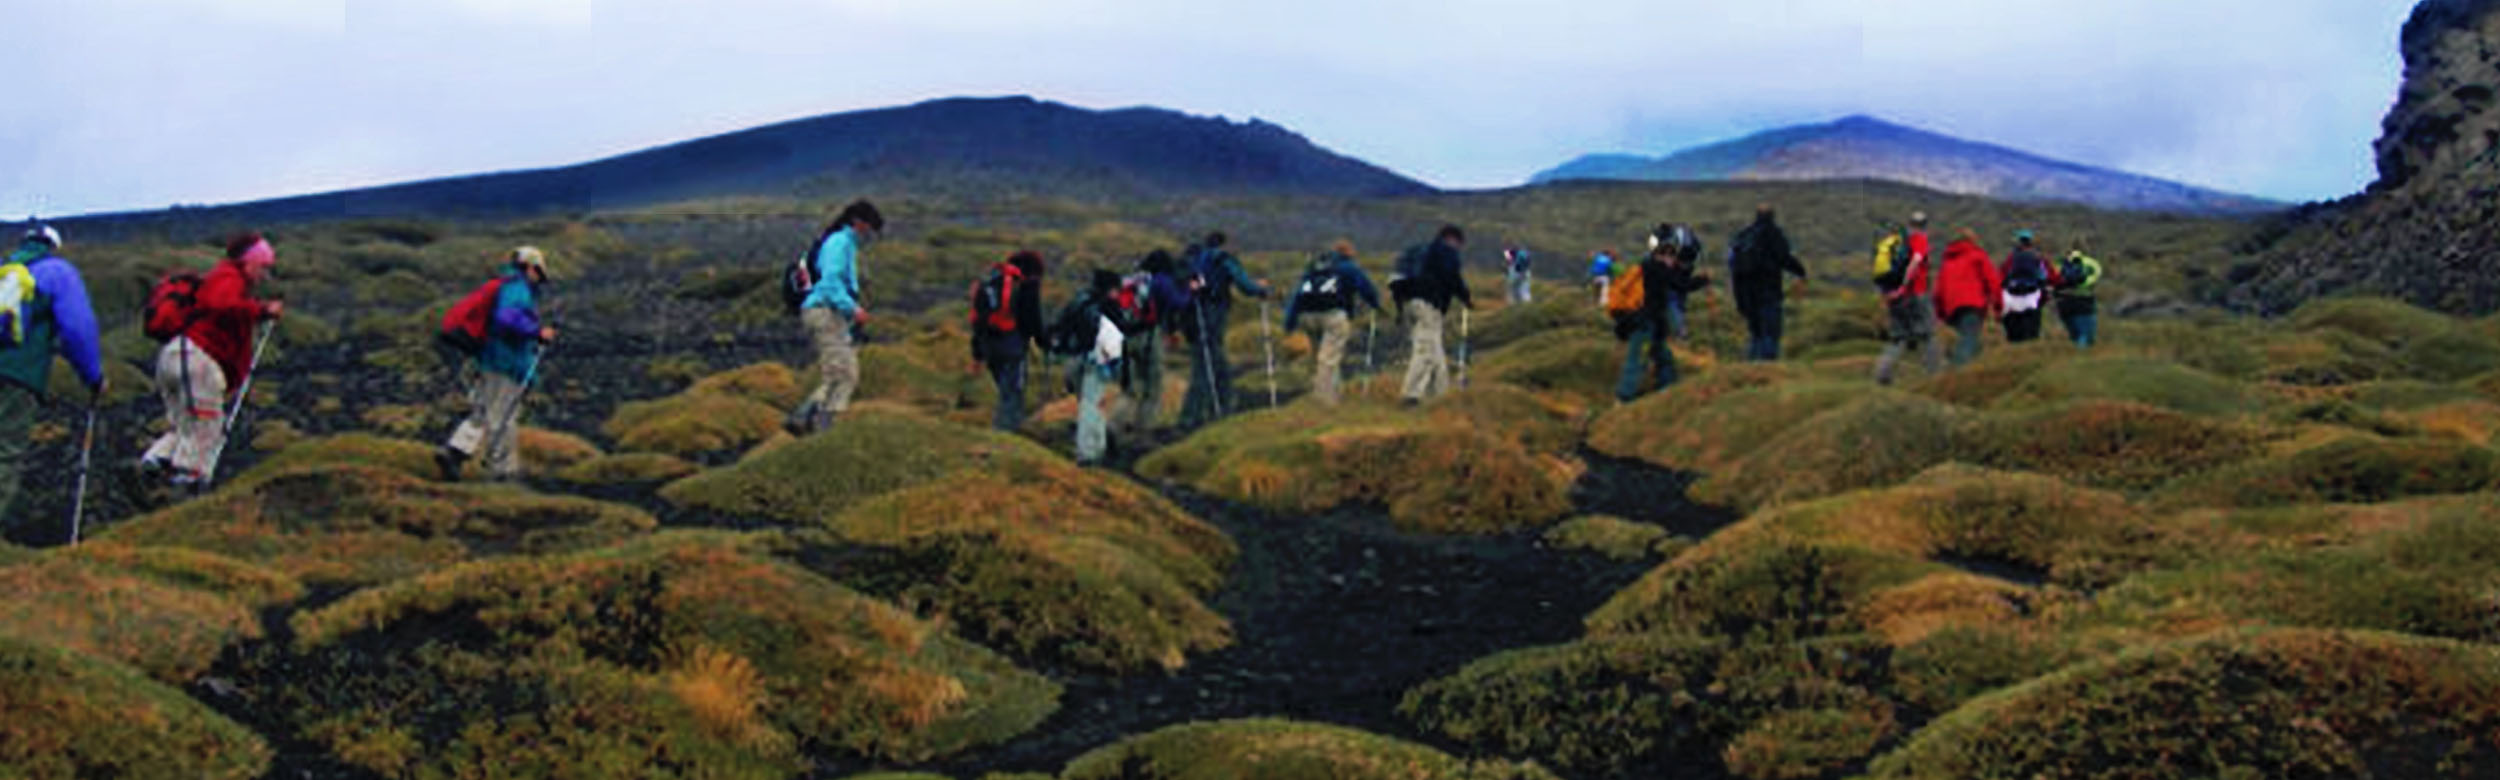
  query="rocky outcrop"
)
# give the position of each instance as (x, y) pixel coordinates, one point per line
(2428, 230)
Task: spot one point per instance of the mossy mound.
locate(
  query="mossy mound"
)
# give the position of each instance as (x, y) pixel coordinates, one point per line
(2140, 380)
(769, 383)
(357, 524)
(2384, 320)
(2429, 567)
(1810, 568)
(2472, 422)
(67, 715)
(1613, 537)
(2326, 357)
(932, 371)
(550, 451)
(2108, 444)
(692, 424)
(1996, 374)
(168, 612)
(685, 650)
(2348, 469)
(1268, 749)
(2263, 704)
(1578, 363)
(1438, 471)
(1518, 324)
(400, 456)
(1639, 427)
(1713, 436)
(1048, 560)
(629, 468)
(1608, 705)
(2404, 395)
(1879, 439)
(870, 453)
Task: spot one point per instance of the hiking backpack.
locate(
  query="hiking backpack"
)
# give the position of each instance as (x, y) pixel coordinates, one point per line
(1323, 288)
(1748, 256)
(798, 279)
(464, 325)
(2075, 273)
(172, 304)
(994, 298)
(2026, 273)
(1892, 260)
(1074, 330)
(1411, 261)
(1136, 302)
(17, 294)
(1627, 295)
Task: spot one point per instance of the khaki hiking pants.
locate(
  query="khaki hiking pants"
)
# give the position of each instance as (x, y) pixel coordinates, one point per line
(495, 423)
(1427, 365)
(837, 358)
(194, 391)
(1334, 329)
(1143, 358)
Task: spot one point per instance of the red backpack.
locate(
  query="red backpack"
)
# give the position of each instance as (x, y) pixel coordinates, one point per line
(171, 304)
(464, 327)
(1136, 300)
(994, 298)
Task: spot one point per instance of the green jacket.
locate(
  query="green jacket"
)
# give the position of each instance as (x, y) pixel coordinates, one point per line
(2089, 285)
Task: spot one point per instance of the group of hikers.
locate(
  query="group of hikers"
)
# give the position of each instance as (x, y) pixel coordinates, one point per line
(213, 325)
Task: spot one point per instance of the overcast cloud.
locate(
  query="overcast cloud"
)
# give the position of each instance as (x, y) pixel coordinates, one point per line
(133, 104)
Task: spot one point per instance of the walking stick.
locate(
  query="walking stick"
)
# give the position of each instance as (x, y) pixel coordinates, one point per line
(1269, 338)
(86, 453)
(512, 416)
(208, 475)
(1462, 347)
(1206, 357)
(1371, 339)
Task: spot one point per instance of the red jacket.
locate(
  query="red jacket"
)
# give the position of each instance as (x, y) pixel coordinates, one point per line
(1914, 278)
(226, 314)
(1967, 280)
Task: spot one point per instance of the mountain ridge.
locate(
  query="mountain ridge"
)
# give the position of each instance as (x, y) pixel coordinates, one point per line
(1865, 147)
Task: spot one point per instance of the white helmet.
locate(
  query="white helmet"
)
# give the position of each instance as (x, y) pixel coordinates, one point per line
(44, 233)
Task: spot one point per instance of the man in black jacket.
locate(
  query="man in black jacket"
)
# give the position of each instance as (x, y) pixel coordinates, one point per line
(1665, 276)
(1428, 297)
(1003, 350)
(1756, 258)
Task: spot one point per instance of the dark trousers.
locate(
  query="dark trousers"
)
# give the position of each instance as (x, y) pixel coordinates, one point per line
(1210, 372)
(2022, 326)
(1763, 315)
(1647, 342)
(1967, 326)
(1008, 375)
(18, 406)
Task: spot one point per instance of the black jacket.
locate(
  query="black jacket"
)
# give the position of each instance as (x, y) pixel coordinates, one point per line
(1442, 280)
(988, 344)
(1766, 245)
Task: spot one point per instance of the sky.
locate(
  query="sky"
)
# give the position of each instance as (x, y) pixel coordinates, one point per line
(143, 104)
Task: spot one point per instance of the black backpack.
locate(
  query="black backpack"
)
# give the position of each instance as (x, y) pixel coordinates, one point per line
(2028, 272)
(1750, 253)
(1323, 288)
(2074, 272)
(798, 279)
(1078, 324)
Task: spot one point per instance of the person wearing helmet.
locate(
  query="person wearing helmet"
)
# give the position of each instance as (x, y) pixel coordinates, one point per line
(209, 359)
(47, 314)
(506, 366)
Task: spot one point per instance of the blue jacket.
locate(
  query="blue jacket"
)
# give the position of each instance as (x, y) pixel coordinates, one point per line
(1219, 291)
(512, 333)
(1352, 273)
(837, 275)
(1173, 300)
(62, 321)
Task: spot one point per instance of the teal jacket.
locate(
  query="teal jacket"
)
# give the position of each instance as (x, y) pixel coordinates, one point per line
(512, 332)
(837, 275)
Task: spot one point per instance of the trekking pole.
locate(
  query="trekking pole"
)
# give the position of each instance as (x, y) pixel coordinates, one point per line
(208, 475)
(1269, 338)
(86, 453)
(1206, 357)
(1370, 340)
(1462, 347)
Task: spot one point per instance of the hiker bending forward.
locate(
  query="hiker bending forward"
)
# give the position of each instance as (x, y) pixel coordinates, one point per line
(1426, 299)
(1327, 296)
(57, 320)
(212, 354)
(506, 366)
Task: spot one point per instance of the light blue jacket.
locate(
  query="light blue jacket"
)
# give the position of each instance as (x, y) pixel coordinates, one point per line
(837, 275)
(512, 331)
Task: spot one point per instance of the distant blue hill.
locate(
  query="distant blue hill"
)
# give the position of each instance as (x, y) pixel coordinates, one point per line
(940, 146)
(1861, 147)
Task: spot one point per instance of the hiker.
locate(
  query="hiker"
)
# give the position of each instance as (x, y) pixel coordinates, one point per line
(1006, 319)
(2078, 296)
(1088, 333)
(1142, 358)
(1327, 295)
(1215, 274)
(1968, 293)
(205, 357)
(835, 317)
(47, 313)
(507, 364)
(1602, 272)
(2028, 278)
(1756, 258)
(1911, 312)
(1662, 278)
(1426, 298)
(1515, 263)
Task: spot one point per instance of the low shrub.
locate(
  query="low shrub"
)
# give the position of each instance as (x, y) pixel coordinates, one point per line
(2107, 444)
(688, 650)
(1578, 363)
(692, 424)
(1269, 749)
(2351, 468)
(1716, 435)
(1613, 537)
(629, 468)
(2289, 703)
(166, 612)
(552, 451)
(874, 451)
(2150, 382)
(1639, 427)
(65, 714)
(1879, 439)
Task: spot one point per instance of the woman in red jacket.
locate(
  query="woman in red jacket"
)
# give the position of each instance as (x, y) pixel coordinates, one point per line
(1969, 292)
(197, 370)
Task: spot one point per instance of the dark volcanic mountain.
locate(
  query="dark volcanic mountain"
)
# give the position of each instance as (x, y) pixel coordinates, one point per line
(1861, 147)
(2428, 230)
(1014, 143)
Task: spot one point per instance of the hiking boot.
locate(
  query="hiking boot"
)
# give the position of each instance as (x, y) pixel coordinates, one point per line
(1409, 403)
(448, 461)
(798, 422)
